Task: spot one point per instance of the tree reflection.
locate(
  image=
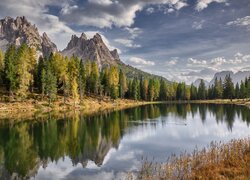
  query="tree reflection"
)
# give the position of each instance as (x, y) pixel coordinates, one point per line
(25, 146)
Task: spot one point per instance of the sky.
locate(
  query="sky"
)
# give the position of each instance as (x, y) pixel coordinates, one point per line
(181, 40)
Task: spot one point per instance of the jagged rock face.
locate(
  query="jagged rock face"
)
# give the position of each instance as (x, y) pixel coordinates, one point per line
(93, 49)
(19, 30)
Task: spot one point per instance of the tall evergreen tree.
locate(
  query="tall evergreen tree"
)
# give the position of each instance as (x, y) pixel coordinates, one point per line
(1, 68)
(228, 88)
(123, 87)
(94, 78)
(202, 90)
(113, 82)
(10, 72)
(82, 80)
(50, 82)
(193, 92)
(73, 73)
(237, 91)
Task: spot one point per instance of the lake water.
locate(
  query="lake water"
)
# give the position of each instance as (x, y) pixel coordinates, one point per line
(110, 144)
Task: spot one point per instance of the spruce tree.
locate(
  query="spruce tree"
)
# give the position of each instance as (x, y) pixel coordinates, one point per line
(202, 90)
(228, 88)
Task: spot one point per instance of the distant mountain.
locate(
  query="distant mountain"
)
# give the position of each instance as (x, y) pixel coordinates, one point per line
(93, 49)
(236, 77)
(19, 30)
(198, 81)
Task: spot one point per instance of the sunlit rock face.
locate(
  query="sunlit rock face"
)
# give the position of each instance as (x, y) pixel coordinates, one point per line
(93, 49)
(20, 30)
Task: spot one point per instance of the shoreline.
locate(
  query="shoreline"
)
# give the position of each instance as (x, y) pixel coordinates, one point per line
(90, 105)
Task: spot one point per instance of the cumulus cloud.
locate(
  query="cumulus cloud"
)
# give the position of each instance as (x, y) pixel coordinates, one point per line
(202, 4)
(121, 13)
(140, 61)
(245, 21)
(134, 32)
(128, 43)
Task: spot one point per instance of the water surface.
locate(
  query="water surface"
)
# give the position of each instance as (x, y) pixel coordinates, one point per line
(108, 145)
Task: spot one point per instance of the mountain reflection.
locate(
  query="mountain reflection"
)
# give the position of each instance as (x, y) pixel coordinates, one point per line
(25, 146)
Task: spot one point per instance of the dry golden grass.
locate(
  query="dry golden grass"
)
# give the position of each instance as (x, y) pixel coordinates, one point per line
(33, 106)
(218, 161)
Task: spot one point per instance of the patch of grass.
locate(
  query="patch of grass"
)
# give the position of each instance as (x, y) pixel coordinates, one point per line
(218, 161)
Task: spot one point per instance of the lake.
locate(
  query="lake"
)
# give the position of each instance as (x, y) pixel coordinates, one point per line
(110, 144)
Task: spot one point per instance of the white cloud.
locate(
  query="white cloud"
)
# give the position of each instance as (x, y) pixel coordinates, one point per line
(134, 32)
(101, 2)
(198, 25)
(118, 13)
(172, 62)
(140, 61)
(218, 61)
(128, 43)
(150, 10)
(192, 61)
(202, 4)
(245, 21)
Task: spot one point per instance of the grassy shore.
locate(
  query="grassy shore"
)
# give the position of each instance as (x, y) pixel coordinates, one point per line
(219, 161)
(89, 105)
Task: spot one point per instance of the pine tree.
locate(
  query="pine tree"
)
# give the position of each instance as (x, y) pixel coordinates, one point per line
(193, 92)
(123, 87)
(10, 72)
(1, 68)
(151, 90)
(242, 90)
(82, 80)
(237, 91)
(202, 90)
(145, 89)
(135, 89)
(23, 70)
(50, 82)
(228, 88)
(87, 67)
(163, 90)
(73, 74)
(218, 89)
(94, 78)
(113, 82)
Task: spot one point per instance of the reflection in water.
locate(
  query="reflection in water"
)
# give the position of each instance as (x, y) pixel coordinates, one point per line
(27, 146)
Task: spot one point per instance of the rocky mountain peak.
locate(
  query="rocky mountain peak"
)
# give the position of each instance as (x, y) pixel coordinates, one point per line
(83, 36)
(20, 30)
(115, 54)
(93, 49)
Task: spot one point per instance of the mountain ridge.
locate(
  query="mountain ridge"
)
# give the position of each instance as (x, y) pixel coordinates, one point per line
(20, 30)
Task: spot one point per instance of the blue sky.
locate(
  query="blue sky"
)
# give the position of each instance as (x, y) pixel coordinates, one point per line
(181, 40)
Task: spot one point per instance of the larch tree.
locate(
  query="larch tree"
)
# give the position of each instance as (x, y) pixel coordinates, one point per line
(73, 69)
(123, 87)
(145, 89)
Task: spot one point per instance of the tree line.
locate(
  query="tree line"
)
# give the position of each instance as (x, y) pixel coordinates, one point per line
(21, 74)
